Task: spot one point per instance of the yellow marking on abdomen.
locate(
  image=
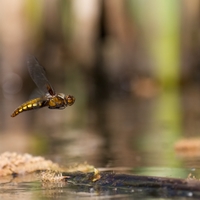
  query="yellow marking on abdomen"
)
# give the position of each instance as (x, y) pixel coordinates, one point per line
(24, 107)
(29, 105)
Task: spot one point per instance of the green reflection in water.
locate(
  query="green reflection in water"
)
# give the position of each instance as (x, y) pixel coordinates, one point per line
(162, 171)
(166, 126)
(164, 130)
(161, 26)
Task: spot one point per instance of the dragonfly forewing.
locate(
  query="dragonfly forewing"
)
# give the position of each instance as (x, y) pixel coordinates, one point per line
(38, 74)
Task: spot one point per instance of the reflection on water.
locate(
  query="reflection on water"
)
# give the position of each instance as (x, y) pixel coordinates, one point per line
(120, 132)
(131, 132)
(127, 133)
(164, 131)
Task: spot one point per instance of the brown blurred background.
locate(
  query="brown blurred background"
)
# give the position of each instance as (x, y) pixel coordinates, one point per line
(133, 66)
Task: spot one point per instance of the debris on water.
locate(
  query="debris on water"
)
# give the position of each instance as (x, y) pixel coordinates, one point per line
(188, 147)
(191, 177)
(12, 163)
(51, 176)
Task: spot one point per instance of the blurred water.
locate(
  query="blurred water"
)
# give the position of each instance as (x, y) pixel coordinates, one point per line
(136, 135)
(126, 131)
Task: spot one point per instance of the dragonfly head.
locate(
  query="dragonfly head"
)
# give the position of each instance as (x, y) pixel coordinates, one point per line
(70, 99)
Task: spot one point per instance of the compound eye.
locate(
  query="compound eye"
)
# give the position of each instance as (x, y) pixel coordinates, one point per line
(70, 100)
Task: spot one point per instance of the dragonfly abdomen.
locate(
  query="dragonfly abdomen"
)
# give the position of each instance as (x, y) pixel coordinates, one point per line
(29, 105)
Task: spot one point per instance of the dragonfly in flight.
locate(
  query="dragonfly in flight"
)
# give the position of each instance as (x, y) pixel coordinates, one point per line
(51, 99)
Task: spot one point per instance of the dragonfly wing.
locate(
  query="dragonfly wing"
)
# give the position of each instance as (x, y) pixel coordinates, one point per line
(38, 74)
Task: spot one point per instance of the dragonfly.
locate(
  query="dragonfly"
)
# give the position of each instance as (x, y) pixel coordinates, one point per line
(50, 99)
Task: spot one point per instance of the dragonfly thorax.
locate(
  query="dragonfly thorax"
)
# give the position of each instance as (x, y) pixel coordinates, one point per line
(61, 95)
(60, 101)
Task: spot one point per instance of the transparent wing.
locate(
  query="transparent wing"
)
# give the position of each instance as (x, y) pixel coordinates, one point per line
(38, 74)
